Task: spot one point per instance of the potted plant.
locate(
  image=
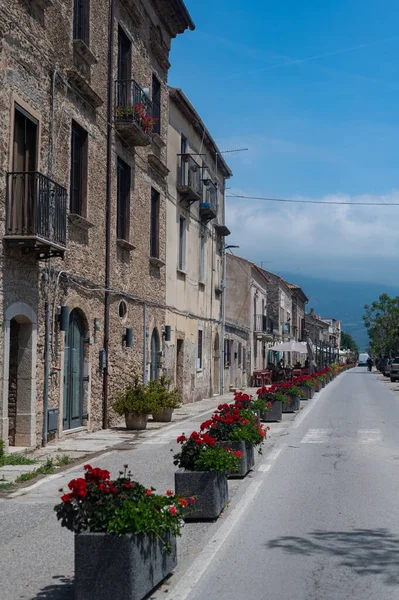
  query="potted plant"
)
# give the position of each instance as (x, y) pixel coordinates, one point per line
(135, 404)
(125, 534)
(202, 473)
(274, 399)
(164, 398)
(238, 429)
(294, 395)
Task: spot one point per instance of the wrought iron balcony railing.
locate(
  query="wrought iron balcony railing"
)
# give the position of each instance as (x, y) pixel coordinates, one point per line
(133, 112)
(209, 208)
(189, 178)
(36, 213)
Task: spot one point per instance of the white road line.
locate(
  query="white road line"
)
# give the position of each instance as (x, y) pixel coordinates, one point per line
(316, 436)
(369, 436)
(264, 468)
(192, 576)
(274, 453)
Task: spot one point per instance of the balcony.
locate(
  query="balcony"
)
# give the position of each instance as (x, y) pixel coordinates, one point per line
(35, 214)
(260, 323)
(133, 118)
(209, 208)
(189, 178)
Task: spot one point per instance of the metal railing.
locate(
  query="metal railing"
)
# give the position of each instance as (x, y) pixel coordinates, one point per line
(189, 174)
(132, 105)
(212, 195)
(36, 207)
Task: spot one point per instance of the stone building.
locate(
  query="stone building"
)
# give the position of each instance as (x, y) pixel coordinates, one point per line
(248, 328)
(334, 338)
(82, 206)
(279, 312)
(299, 300)
(195, 233)
(317, 334)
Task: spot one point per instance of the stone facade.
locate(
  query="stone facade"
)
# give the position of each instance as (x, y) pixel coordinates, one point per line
(53, 86)
(194, 252)
(299, 299)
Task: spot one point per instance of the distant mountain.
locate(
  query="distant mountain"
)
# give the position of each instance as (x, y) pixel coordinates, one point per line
(342, 300)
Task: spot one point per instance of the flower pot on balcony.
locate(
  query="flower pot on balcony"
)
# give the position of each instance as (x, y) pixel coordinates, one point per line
(136, 421)
(209, 488)
(164, 416)
(247, 461)
(275, 414)
(128, 566)
(292, 405)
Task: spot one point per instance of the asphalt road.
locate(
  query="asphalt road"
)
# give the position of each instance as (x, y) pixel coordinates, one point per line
(323, 523)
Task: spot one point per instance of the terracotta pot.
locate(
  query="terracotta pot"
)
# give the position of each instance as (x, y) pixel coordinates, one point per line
(136, 421)
(164, 416)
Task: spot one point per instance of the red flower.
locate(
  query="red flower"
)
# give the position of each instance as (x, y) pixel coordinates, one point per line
(238, 454)
(148, 492)
(78, 487)
(172, 510)
(191, 500)
(183, 502)
(181, 439)
(169, 493)
(67, 497)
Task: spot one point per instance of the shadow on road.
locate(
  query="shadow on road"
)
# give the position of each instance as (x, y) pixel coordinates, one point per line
(62, 590)
(366, 551)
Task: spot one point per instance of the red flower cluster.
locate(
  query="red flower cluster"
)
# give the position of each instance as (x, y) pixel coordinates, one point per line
(78, 489)
(96, 474)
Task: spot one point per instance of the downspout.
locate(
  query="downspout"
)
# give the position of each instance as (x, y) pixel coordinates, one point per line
(108, 212)
(211, 315)
(46, 372)
(144, 343)
(223, 320)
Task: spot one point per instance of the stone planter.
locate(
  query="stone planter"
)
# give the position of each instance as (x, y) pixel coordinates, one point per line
(293, 406)
(136, 421)
(129, 566)
(312, 392)
(275, 414)
(209, 488)
(165, 416)
(247, 461)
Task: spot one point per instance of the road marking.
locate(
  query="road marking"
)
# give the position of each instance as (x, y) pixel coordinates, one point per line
(274, 453)
(192, 576)
(369, 436)
(316, 436)
(264, 468)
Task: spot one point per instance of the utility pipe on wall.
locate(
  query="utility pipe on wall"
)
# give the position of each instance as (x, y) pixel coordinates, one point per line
(46, 372)
(144, 343)
(108, 212)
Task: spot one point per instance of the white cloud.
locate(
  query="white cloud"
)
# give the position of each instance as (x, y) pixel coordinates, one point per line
(338, 242)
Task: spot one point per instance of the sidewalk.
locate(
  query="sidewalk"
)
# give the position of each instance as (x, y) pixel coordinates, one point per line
(82, 445)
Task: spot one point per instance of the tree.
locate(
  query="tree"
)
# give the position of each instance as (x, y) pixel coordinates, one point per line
(381, 320)
(348, 343)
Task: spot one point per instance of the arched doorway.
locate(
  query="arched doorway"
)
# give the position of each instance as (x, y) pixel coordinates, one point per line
(73, 372)
(216, 365)
(155, 349)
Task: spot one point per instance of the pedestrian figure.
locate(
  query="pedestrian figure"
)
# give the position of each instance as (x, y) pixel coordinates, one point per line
(369, 363)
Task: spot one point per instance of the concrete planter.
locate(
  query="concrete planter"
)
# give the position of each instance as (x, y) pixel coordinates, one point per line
(293, 406)
(136, 421)
(247, 461)
(129, 566)
(209, 488)
(165, 416)
(275, 414)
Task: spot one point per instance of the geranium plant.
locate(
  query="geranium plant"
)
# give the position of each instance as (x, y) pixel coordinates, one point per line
(96, 503)
(231, 423)
(199, 453)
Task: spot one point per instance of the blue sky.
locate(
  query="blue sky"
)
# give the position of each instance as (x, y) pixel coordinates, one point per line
(312, 89)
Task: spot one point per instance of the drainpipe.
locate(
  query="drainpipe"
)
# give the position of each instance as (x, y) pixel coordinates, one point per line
(52, 150)
(223, 320)
(144, 343)
(46, 372)
(108, 211)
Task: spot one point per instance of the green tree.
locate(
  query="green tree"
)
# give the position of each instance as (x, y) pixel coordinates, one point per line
(381, 320)
(348, 343)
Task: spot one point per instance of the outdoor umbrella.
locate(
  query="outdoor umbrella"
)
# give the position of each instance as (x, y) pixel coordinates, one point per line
(293, 346)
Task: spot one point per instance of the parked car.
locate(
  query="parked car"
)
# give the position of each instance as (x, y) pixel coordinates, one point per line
(387, 367)
(394, 369)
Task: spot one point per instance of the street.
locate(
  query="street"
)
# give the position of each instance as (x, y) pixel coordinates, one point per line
(317, 519)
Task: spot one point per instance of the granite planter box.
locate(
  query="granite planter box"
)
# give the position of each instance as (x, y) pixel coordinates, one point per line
(275, 414)
(129, 566)
(293, 406)
(164, 416)
(247, 461)
(136, 421)
(209, 488)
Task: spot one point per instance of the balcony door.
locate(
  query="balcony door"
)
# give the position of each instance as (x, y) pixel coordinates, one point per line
(124, 96)
(73, 372)
(22, 192)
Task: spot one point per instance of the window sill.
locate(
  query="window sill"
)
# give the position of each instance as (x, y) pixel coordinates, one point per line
(125, 244)
(80, 221)
(158, 141)
(181, 274)
(84, 52)
(157, 262)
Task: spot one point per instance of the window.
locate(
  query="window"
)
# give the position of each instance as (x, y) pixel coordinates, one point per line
(78, 171)
(124, 56)
(183, 145)
(199, 356)
(156, 104)
(227, 352)
(202, 259)
(25, 141)
(81, 16)
(123, 201)
(244, 360)
(154, 234)
(239, 353)
(182, 244)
